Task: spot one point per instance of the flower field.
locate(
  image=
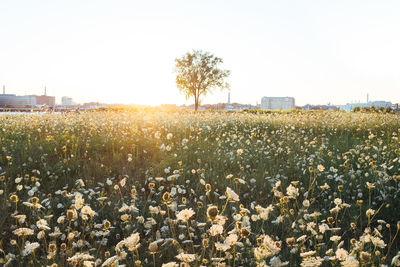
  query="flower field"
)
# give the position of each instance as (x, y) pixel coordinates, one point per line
(164, 188)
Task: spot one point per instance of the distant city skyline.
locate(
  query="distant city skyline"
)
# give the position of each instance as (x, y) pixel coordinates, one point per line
(318, 52)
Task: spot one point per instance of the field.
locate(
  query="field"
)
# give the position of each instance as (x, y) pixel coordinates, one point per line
(163, 188)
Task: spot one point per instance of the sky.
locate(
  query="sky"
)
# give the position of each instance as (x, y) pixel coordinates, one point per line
(123, 51)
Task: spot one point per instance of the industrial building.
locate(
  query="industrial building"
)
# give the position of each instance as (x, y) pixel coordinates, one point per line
(16, 101)
(278, 103)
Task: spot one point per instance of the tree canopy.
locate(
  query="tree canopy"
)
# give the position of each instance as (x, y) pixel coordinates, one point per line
(198, 73)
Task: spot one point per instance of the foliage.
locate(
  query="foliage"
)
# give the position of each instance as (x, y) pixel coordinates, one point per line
(198, 72)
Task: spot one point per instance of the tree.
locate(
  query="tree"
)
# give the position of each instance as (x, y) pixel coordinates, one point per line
(197, 74)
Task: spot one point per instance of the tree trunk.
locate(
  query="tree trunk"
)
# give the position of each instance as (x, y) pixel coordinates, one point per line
(196, 100)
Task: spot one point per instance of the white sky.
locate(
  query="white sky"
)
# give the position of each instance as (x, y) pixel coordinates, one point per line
(120, 51)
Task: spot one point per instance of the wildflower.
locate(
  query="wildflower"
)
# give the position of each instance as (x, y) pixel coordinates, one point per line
(219, 219)
(207, 187)
(341, 254)
(170, 264)
(229, 176)
(307, 254)
(267, 247)
(21, 218)
(106, 225)
(88, 210)
(301, 238)
(370, 212)
(396, 260)
(185, 215)
(222, 246)
(153, 247)
(320, 168)
(14, 198)
(323, 227)
(231, 239)
(325, 186)
(311, 261)
(244, 232)
(29, 248)
(292, 191)
(212, 212)
(166, 197)
(350, 261)
(264, 212)
(186, 257)
(122, 182)
(131, 242)
(231, 195)
(125, 217)
(79, 201)
(151, 186)
(42, 225)
(79, 257)
(335, 238)
(72, 214)
(23, 232)
(337, 201)
(216, 229)
(111, 261)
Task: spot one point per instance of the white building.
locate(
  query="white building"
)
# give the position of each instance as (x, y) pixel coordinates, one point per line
(25, 101)
(67, 101)
(277, 103)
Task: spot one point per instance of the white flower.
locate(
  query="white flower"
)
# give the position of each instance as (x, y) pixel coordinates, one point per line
(42, 224)
(170, 264)
(337, 201)
(79, 257)
(184, 215)
(231, 239)
(186, 257)
(231, 195)
(222, 246)
(292, 191)
(29, 247)
(341, 254)
(216, 229)
(131, 242)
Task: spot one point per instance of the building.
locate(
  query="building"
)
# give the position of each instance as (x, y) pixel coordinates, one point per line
(278, 103)
(67, 101)
(376, 104)
(7, 100)
(49, 101)
(25, 101)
